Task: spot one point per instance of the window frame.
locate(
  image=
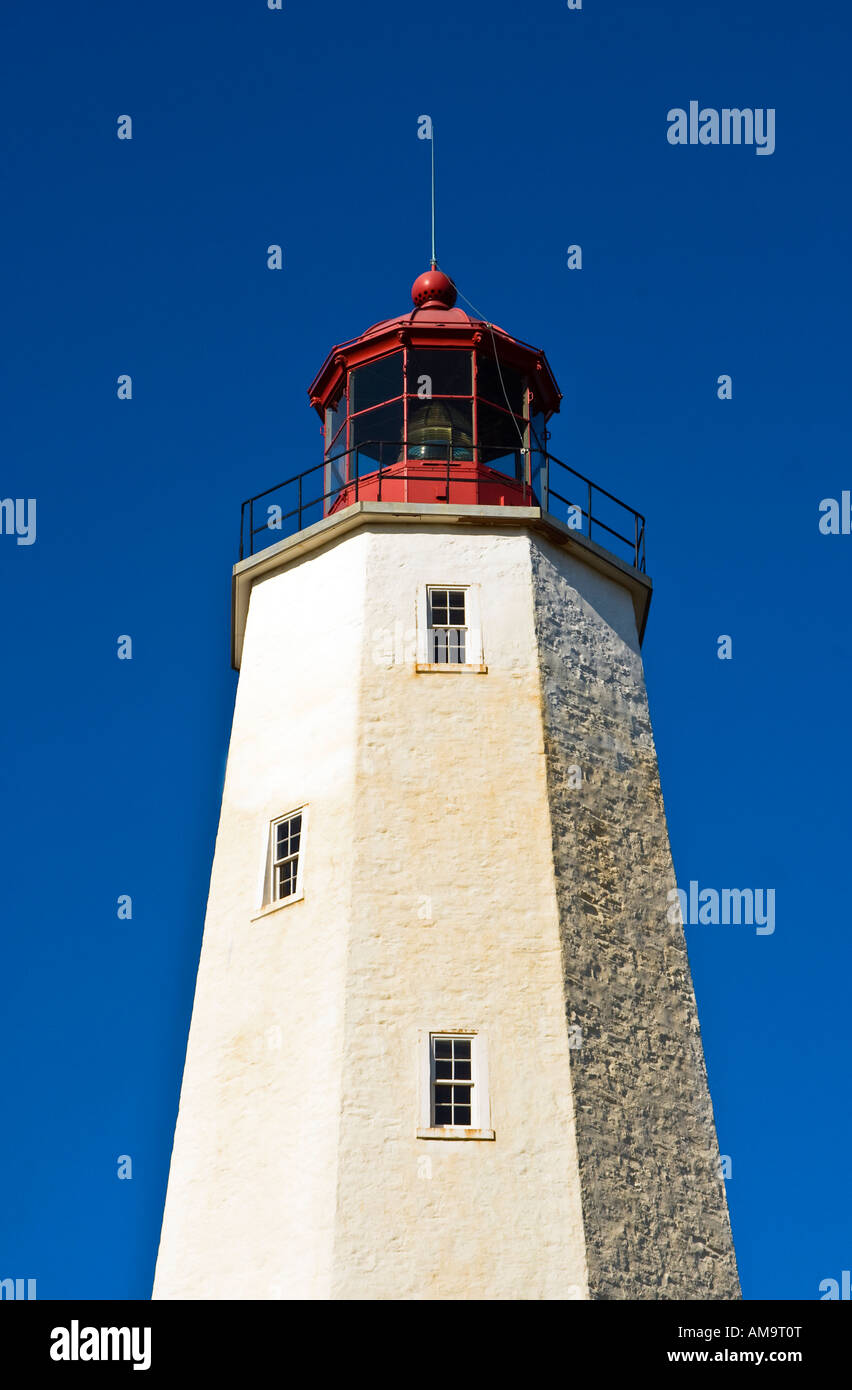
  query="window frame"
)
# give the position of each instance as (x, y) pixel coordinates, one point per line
(474, 662)
(454, 634)
(352, 383)
(480, 1125)
(271, 903)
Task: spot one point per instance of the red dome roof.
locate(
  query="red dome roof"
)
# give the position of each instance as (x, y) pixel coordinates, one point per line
(431, 315)
(435, 322)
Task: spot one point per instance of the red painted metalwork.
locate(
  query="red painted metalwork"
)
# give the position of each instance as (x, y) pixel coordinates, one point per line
(480, 436)
(467, 484)
(568, 497)
(433, 287)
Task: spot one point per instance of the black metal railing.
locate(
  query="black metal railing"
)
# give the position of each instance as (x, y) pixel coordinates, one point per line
(362, 473)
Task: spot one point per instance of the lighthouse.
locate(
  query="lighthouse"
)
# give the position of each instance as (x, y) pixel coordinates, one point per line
(444, 1042)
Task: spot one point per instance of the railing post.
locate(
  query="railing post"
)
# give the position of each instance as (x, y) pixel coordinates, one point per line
(357, 471)
(590, 511)
(636, 539)
(300, 501)
(251, 527)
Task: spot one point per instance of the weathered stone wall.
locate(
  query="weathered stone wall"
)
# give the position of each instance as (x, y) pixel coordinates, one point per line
(655, 1214)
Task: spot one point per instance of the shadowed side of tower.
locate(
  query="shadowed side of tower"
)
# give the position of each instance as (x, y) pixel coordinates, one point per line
(655, 1212)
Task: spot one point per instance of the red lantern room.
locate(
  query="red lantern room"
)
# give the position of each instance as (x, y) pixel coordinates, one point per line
(438, 407)
(435, 406)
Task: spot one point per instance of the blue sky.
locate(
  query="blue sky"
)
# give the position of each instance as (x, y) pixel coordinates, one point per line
(148, 257)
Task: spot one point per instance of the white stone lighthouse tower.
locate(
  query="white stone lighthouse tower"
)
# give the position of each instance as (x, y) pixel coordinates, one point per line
(444, 1042)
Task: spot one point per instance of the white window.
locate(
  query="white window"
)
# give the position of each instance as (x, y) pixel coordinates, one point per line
(448, 632)
(454, 1102)
(284, 859)
(452, 1081)
(448, 625)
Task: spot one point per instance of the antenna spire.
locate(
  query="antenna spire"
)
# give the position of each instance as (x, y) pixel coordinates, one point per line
(432, 142)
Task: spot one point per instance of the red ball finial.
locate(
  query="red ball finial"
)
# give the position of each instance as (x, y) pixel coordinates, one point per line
(433, 287)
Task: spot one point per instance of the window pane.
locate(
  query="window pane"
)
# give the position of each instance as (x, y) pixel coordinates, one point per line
(440, 606)
(461, 1095)
(287, 879)
(499, 429)
(448, 645)
(443, 1115)
(337, 464)
(440, 429)
(377, 435)
(488, 384)
(335, 451)
(450, 371)
(462, 1071)
(539, 479)
(444, 1069)
(538, 426)
(461, 1047)
(376, 382)
(335, 418)
(501, 437)
(287, 837)
(455, 645)
(462, 1116)
(443, 1047)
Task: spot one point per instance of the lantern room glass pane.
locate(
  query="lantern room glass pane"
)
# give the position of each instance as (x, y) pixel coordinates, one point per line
(501, 438)
(377, 435)
(375, 382)
(440, 429)
(335, 475)
(335, 416)
(335, 451)
(490, 387)
(538, 459)
(538, 476)
(449, 372)
(336, 461)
